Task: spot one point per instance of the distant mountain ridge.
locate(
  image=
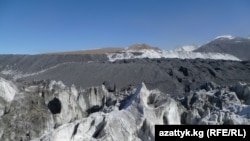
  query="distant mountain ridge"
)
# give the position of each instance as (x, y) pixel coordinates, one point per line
(142, 46)
(134, 47)
(237, 46)
(224, 47)
(89, 51)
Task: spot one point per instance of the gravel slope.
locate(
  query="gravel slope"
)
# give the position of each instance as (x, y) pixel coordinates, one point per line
(173, 76)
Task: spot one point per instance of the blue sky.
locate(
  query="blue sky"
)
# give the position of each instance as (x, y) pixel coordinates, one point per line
(38, 26)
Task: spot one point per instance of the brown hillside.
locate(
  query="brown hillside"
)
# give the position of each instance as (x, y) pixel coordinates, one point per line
(92, 51)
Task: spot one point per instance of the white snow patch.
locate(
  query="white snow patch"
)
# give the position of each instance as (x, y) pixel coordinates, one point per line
(230, 37)
(187, 48)
(8, 72)
(169, 54)
(17, 75)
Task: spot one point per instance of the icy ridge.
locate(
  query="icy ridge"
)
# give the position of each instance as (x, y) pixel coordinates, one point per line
(7, 93)
(49, 110)
(169, 54)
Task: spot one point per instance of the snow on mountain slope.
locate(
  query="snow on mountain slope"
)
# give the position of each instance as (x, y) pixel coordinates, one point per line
(181, 53)
(236, 46)
(186, 48)
(17, 74)
(229, 37)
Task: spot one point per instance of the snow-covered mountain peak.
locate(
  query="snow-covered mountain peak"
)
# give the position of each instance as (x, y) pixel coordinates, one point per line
(229, 37)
